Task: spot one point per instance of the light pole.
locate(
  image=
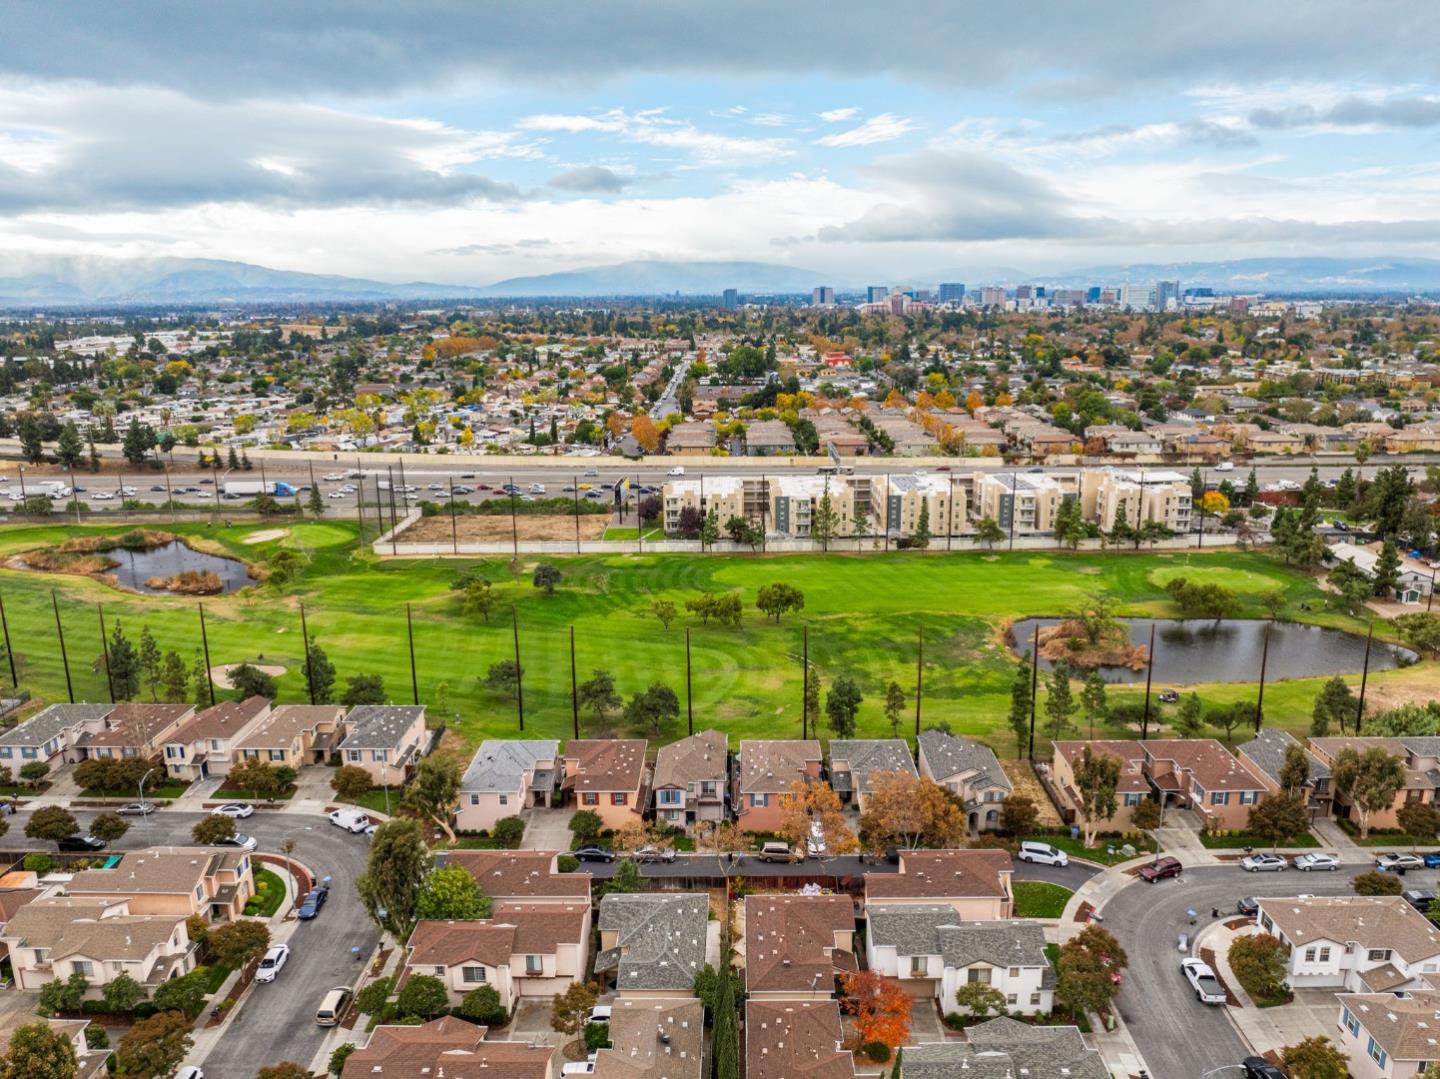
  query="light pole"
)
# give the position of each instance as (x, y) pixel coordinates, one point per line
(143, 778)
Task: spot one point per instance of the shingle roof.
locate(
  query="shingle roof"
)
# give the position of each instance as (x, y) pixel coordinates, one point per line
(1405, 1027)
(769, 767)
(660, 943)
(1381, 921)
(947, 756)
(222, 720)
(699, 757)
(131, 724)
(447, 1045)
(790, 940)
(379, 726)
(1006, 1049)
(943, 874)
(605, 764)
(1014, 943)
(653, 1039)
(866, 756)
(280, 727)
(68, 927)
(1267, 751)
(516, 874)
(46, 724)
(1209, 763)
(155, 870)
(500, 765)
(796, 1039)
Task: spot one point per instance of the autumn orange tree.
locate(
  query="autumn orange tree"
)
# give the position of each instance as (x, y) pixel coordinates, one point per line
(906, 810)
(647, 435)
(880, 1006)
(806, 803)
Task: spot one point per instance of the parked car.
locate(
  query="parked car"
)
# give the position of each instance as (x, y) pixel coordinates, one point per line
(815, 841)
(778, 852)
(1419, 898)
(1260, 1068)
(238, 840)
(593, 854)
(332, 1006)
(655, 854)
(136, 809)
(352, 820)
(599, 1014)
(85, 844)
(1263, 863)
(1316, 860)
(1398, 863)
(1431, 859)
(271, 964)
(190, 1071)
(1042, 854)
(1160, 869)
(233, 810)
(579, 1067)
(313, 901)
(1208, 989)
(1247, 906)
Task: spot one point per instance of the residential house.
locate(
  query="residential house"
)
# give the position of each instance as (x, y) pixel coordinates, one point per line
(691, 777)
(174, 880)
(796, 945)
(853, 763)
(786, 1039)
(51, 733)
(1204, 776)
(1420, 755)
(89, 1063)
(1264, 755)
(447, 1046)
(768, 438)
(975, 883)
(764, 770)
(653, 1039)
(100, 939)
(295, 735)
(691, 439)
(1007, 1047)
(969, 770)
(518, 876)
(1389, 1035)
(206, 745)
(522, 949)
(609, 777)
(653, 945)
(505, 777)
(1359, 944)
(133, 729)
(933, 953)
(386, 740)
(1412, 576)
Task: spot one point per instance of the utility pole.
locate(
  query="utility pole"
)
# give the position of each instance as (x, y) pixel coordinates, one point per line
(105, 651)
(574, 688)
(64, 659)
(9, 652)
(205, 645)
(1364, 678)
(514, 534)
(519, 677)
(1264, 659)
(805, 685)
(689, 689)
(454, 534)
(919, 674)
(1149, 672)
(305, 644)
(410, 633)
(1034, 683)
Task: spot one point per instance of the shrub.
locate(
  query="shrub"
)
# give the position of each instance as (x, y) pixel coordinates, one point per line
(1373, 883)
(509, 831)
(482, 1005)
(340, 1056)
(879, 1052)
(371, 1000)
(1260, 963)
(597, 1036)
(954, 1020)
(96, 1038)
(38, 863)
(567, 863)
(423, 996)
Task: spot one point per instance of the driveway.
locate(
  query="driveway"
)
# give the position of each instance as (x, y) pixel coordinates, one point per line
(547, 829)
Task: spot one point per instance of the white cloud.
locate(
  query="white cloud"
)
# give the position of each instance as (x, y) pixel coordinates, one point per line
(835, 116)
(882, 128)
(649, 127)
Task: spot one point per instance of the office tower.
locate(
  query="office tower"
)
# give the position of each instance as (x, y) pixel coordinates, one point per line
(732, 298)
(877, 293)
(952, 292)
(1092, 294)
(992, 296)
(1024, 292)
(823, 296)
(1167, 295)
(1137, 297)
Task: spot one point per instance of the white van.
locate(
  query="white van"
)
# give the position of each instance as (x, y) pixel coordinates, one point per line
(332, 1007)
(1042, 854)
(352, 820)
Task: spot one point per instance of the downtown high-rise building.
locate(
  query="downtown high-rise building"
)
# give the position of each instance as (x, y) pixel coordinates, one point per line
(952, 292)
(822, 296)
(877, 293)
(730, 299)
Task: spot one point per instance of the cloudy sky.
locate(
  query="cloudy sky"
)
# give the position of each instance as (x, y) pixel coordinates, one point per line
(466, 142)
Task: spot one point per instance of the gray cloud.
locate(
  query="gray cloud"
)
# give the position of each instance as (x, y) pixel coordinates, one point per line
(366, 47)
(591, 180)
(1354, 112)
(1191, 132)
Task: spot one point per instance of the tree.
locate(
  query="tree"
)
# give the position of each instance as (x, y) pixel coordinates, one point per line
(236, 943)
(1020, 705)
(51, 823)
(626, 880)
(396, 868)
(66, 996)
(652, 709)
(664, 610)
(150, 662)
(921, 536)
(841, 705)
(154, 1046)
(318, 673)
(371, 1000)
(1260, 963)
(1096, 777)
(1085, 973)
(185, 994)
(777, 598)
(1190, 721)
(122, 993)
(1093, 701)
(1278, 818)
(364, 689)
(109, 827)
(906, 810)
(260, 778)
(1421, 631)
(1335, 703)
(808, 808)
(895, 701)
(1376, 883)
(286, 1069)
(478, 598)
(598, 696)
(434, 789)
(1059, 704)
(569, 1009)
(980, 999)
(725, 1036)
(811, 701)
(1387, 571)
(174, 679)
(504, 677)
(988, 532)
(585, 825)
(1147, 815)
(350, 781)
(251, 681)
(824, 521)
(1315, 1058)
(31, 445)
(1294, 771)
(546, 576)
(449, 892)
(1228, 717)
(37, 1052)
(32, 772)
(138, 442)
(1368, 781)
(1419, 820)
(1019, 815)
(482, 1005)
(422, 995)
(1274, 601)
(124, 666)
(710, 529)
(210, 830)
(880, 1006)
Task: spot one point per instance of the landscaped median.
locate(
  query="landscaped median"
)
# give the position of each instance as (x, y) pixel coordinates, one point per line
(1039, 898)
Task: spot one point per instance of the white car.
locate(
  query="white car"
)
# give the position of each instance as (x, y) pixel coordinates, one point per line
(1308, 862)
(352, 820)
(1042, 854)
(1225, 466)
(537, 488)
(1392, 862)
(271, 964)
(599, 1014)
(233, 810)
(1263, 863)
(337, 494)
(1208, 989)
(678, 470)
(579, 1067)
(332, 477)
(190, 1071)
(98, 496)
(243, 842)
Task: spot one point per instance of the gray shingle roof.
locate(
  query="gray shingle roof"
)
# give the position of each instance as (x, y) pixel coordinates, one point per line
(1016, 943)
(867, 756)
(912, 929)
(1005, 1049)
(949, 756)
(379, 726)
(501, 765)
(1267, 751)
(661, 942)
(46, 724)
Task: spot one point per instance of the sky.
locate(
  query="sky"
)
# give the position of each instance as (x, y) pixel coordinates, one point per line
(469, 142)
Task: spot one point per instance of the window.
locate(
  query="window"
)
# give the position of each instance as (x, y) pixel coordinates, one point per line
(474, 799)
(590, 798)
(1132, 799)
(472, 974)
(759, 799)
(377, 754)
(671, 798)
(1379, 955)
(1376, 1053)
(250, 754)
(277, 754)
(1014, 972)
(175, 752)
(504, 799)
(618, 799)
(978, 974)
(439, 971)
(352, 754)
(1012, 998)
(1325, 954)
(534, 964)
(84, 968)
(1350, 1022)
(215, 745)
(919, 966)
(1248, 798)
(29, 752)
(6, 752)
(1309, 955)
(1035, 999)
(707, 787)
(1220, 798)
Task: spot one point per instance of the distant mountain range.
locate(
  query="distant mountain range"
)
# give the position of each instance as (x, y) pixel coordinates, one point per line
(37, 281)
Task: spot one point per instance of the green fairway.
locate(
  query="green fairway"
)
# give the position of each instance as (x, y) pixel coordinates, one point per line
(864, 615)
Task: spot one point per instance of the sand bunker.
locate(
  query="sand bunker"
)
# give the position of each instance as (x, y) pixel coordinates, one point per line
(265, 535)
(220, 675)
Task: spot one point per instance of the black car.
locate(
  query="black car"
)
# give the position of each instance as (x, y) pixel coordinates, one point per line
(1247, 907)
(312, 903)
(593, 854)
(1420, 898)
(85, 844)
(1260, 1068)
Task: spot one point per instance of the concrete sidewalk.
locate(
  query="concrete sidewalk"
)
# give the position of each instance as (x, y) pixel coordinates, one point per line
(1263, 1029)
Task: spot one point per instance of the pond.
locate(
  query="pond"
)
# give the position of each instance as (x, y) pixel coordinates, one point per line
(1202, 650)
(137, 567)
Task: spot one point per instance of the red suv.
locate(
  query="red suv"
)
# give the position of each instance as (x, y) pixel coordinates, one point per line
(1160, 869)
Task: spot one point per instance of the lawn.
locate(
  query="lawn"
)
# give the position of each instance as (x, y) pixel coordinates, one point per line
(1241, 840)
(1100, 852)
(161, 793)
(269, 894)
(376, 800)
(864, 615)
(1039, 899)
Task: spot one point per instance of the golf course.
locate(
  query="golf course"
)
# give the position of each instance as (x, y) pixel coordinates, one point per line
(865, 616)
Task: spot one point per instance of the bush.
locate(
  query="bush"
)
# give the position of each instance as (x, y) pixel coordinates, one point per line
(879, 1052)
(509, 831)
(597, 1036)
(340, 1056)
(585, 826)
(38, 863)
(567, 863)
(1260, 963)
(1373, 883)
(423, 996)
(482, 1005)
(954, 1020)
(96, 1038)
(371, 1000)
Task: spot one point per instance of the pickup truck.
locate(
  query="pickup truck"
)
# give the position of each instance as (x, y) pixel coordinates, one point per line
(1160, 869)
(1208, 989)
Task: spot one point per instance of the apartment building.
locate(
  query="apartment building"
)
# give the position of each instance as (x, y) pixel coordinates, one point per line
(795, 499)
(295, 735)
(1160, 496)
(728, 496)
(505, 777)
(1420, 755)
(941, 497)
(132, 730)
(1025, 502)
(206, 745)
(692, 777)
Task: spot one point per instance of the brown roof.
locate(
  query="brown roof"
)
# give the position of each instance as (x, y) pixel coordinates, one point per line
(514, 874)
(539, 927)
(794, 1039)
(66, 928)
(653, 1039)
(943, 874)
(1210, 764)
(699, 757)
(513, 928)
(1380, 921)
(156, 871)
(790, 940)
(1405, 1027)
(606, 764)
(132, 724)
(222, 720)
(447, 1045)
(1127, 751)
(279, 728)
(12, 900)
(769, 767)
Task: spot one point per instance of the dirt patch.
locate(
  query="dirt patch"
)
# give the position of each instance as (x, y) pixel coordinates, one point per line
(477, 529)
(1083, 914)
(1207, 955)
(265, 535)
(1024, 782)
(220, 674)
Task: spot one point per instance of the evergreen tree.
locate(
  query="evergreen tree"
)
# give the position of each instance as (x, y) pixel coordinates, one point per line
(319, 673)
(30, 440)
(139, 440)
(1252, 487)
(150, 660)
(70, 449)
(710, 529)
(1020, 708)
(1345, 489)
(725, 1036)
(1093, 701)
(174, 678)
(1059, 703)
(921, 536)
(124, 666)
(1387, 571)
(200, 681)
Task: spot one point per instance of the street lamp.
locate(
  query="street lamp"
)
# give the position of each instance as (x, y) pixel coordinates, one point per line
(145, 815)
